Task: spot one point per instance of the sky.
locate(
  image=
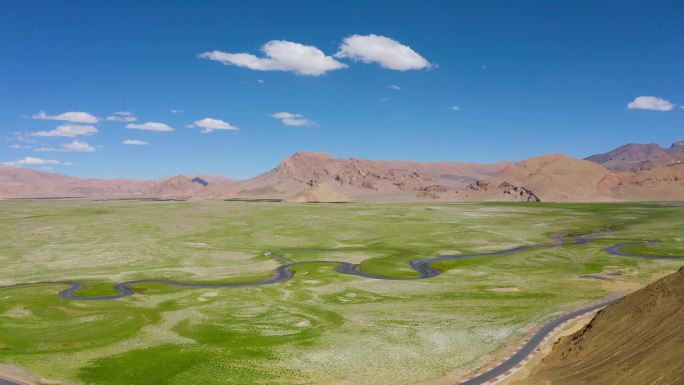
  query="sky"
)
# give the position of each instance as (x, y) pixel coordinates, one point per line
(145, 89)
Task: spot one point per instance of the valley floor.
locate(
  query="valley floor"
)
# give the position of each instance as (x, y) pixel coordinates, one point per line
(320, 327)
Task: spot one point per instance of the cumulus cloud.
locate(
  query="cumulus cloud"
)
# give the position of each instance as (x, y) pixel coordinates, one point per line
(71, 116)
(150, 126)
(386, 52)
(650, 103)
(281, 55)
(73, 146)
(135, 142)
(78, 146)
(290, 119)
(31, 161)
(455, 108)
(121, 116)
(210, 125)
(394, 87)
(68, 130)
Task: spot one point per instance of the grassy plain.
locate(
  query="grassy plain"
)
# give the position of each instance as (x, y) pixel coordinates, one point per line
(319, 328)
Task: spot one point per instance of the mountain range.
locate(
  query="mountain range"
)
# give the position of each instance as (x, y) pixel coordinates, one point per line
(633, 172)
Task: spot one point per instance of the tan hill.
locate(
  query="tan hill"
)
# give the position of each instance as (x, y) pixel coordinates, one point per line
(18, 182)
(638, 340)
(559, 177)
(175, 187)
(562, 178)
(318, 193)
(184, 187)
(636, 157)
(360, 177)
(26, 183)
(655, 184)
(22, 182)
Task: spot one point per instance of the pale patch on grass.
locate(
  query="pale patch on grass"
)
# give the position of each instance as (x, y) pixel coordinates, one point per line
(18, 312)
(196, 244)
(450, 252)
(503, 289)
(207, 296)
(303, 323)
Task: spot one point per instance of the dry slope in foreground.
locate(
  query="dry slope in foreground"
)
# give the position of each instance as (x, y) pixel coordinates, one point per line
(318, 193)
(638, 340)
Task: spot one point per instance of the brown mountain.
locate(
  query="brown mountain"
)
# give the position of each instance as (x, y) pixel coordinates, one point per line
(184, 187)
(546, 178)
(562, 178)
(638, 340)
(18, 182)
(27, 183)
(175, 187)
(559, 177)
(361, 178)
(636, 157)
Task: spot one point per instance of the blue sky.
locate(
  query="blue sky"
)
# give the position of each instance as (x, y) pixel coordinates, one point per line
(529, 78)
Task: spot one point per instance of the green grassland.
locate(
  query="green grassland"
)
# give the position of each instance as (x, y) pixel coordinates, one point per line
(321, 327)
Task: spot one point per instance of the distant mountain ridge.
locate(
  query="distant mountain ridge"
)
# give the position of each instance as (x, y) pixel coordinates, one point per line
(636, 157)
(632, 172)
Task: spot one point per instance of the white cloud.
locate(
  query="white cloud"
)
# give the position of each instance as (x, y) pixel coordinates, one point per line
(650, 103)
(176, 111)
(394, 87)
(260, 81)
(68, 130)
(73, 146)
(281, 55)
(19, 146)
(150, 126)
(382, 50)
(455, 108)
(71, 116)
(121, 116)
(31, 161)
(135, 142)
(23, 137)
(78, 146)
(290, 119)
(209, 125)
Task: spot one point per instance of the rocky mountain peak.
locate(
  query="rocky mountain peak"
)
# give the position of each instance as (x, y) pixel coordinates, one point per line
(678, 145)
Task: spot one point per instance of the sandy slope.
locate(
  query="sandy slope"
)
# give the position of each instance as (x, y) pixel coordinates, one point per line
(318, 193)
(638, 340)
